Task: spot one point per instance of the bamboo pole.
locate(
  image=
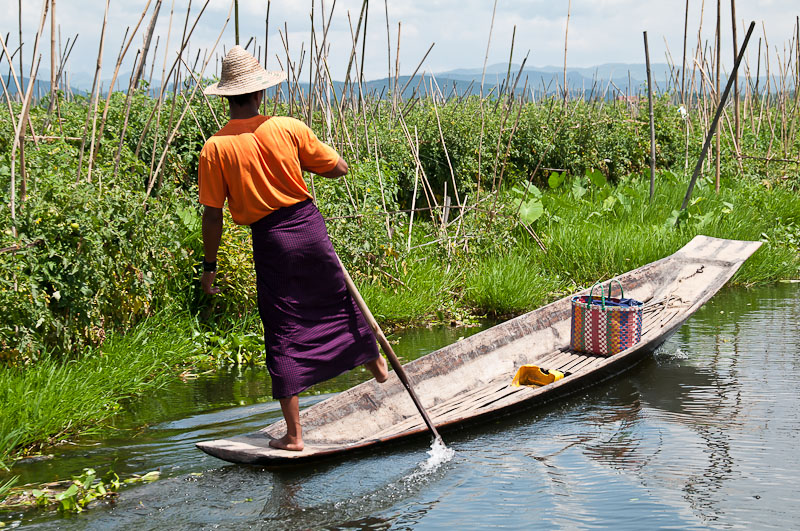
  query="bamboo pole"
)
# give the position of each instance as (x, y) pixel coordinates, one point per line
(506, 112)
(718, 62)
(383, 195)
(566, 35)
(266, 51)
(93, 102)
(652, 120)
(152, 66)
(683, 64)
(95, 98)
(124, 128)
(446, 154)
(508, 70)
(353, 49)
(310, 115)
(146, 47)
(736, 81)
(194, 116)
(177, 83)
(388, 46)
(236, 19)
(758, 96)
(12, 203)
(205, 98)
(10, 58)
(62, 61)
(481, 103)
(749, 96)
(289, 68)
(17, 141)
(363, 55)
(53, 84)
(715, 122)
(417, 166)
(339, 106)
(418, 67)
(21, 68)
(767, 101)
(793, 114)
(160, 101)
(698, 53)
(11, 69)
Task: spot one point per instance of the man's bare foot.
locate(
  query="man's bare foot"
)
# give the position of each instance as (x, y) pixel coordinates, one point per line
(378, 368)
(287, 442)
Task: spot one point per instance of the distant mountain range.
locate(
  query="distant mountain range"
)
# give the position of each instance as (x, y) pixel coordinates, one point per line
(610, 79)
(546, 79)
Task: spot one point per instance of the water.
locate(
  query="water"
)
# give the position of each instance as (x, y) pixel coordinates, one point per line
(701, 435)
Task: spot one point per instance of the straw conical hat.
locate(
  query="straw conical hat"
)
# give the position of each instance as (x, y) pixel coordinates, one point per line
(241, 74)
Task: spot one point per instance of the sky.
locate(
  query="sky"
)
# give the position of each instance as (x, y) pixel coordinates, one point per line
(600, 31)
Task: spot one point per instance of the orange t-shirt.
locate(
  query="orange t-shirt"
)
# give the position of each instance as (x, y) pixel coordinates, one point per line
(257, 165)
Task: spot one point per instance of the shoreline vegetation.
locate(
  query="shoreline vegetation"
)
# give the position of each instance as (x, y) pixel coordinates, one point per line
(457, 207)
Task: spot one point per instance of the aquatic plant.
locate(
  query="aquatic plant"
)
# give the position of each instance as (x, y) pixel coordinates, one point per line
(75, 495)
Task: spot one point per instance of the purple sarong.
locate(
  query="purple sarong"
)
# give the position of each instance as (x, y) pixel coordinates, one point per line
(313, 329)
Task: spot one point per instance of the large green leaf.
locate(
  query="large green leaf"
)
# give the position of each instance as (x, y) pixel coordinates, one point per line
(69, 493)
(578, 190)
(528, 190)
(596, 177)
(531, 210)
(556, 179)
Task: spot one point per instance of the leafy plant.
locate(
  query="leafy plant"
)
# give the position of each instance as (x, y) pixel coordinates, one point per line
(74, 496)
(556, 179)
(530, 202)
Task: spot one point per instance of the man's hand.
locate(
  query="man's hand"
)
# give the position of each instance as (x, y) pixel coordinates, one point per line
(207, 281)
(340, 169)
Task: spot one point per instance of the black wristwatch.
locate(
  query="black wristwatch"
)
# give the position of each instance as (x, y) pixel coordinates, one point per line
(209, 267)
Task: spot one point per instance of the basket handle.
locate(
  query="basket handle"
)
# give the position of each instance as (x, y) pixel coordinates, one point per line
(602, 294)
(621, 293)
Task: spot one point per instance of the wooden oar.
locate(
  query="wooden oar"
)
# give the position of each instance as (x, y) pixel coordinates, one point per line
(387, 349)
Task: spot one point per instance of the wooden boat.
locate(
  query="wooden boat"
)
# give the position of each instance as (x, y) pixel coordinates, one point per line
(470, 381)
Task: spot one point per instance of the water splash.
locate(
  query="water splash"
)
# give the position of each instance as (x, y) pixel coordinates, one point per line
(438, 455)
(680, 355)
(669, 351)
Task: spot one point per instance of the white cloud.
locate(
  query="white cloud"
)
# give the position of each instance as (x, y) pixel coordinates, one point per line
(600, 31)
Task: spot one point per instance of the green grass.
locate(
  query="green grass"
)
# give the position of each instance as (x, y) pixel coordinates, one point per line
(56, 398)
(588, 240)
(510, 284)
(426, 289)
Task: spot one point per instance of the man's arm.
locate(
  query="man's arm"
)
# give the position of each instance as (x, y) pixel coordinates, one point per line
(340, 169)
(212, 235)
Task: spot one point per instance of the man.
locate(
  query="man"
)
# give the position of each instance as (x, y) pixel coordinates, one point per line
(313, 329)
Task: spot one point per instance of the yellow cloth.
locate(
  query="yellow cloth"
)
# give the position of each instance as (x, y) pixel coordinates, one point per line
(534, 375)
